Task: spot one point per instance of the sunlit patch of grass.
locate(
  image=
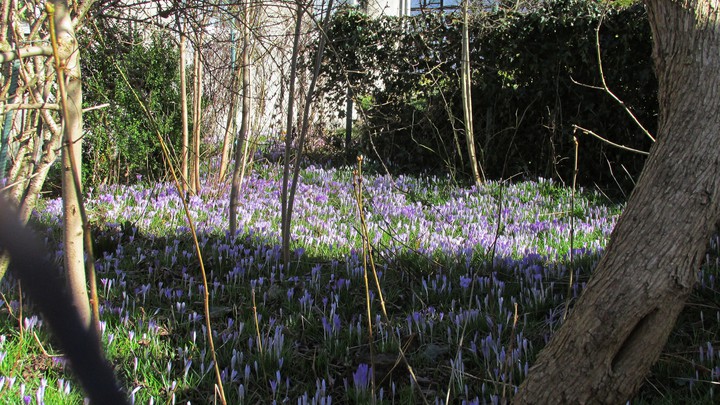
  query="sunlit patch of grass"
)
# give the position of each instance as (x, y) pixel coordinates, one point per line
(30, 372)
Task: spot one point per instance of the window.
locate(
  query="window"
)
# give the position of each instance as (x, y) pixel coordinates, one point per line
(422, 6)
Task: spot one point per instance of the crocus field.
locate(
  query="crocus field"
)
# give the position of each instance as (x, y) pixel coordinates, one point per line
(474, 282)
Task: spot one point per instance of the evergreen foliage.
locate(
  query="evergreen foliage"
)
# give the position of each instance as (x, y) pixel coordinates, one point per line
(405, 75)
(121, 140)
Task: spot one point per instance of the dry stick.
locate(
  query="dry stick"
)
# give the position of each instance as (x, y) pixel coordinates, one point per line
(74, 168)
(617, 145)
(367, 254)
(357, 186)
(572, 230)
(191, 225)
(42, 348)
(607, 90)
(257, 323)
(7, 303)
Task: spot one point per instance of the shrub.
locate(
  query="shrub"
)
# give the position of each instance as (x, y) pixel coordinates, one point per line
(121, 142)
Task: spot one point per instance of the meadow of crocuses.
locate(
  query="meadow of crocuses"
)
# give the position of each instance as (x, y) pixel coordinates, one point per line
(474, 281)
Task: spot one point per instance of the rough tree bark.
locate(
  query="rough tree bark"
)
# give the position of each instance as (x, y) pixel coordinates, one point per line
(623, 319)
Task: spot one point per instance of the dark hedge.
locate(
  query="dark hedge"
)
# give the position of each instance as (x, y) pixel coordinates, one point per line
(526, 66)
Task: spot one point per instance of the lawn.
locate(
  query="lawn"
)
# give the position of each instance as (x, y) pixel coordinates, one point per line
(474, 281)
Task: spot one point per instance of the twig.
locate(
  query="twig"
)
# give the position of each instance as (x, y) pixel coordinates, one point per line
(96, 107)
(32, 106)
(611, 143)
(367, 251)
(42, 348)
(20, 309)
(605, 87)
(257, 324)
(28, 52)
(11, 185)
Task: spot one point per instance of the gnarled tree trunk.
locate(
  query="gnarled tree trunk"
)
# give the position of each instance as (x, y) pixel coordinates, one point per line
(623, 319)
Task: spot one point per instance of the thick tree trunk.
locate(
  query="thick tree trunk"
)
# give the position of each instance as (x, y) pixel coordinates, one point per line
(623, 319)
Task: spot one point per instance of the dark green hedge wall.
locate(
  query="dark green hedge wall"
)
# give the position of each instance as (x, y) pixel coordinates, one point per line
(526, 97)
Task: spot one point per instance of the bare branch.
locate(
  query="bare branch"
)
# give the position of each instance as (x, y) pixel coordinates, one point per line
(25, 53)
(31, 106)
(605, 86)
(617, 145)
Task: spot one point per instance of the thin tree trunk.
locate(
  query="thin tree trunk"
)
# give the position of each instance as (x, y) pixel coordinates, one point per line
(284, 212)
(183, 108)
(74, 253)
(197, 114)
(246, 158)
(305, 127)
(623, 319)
(477, 172)
(229, 127)
(228, 135)
(245, 122)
